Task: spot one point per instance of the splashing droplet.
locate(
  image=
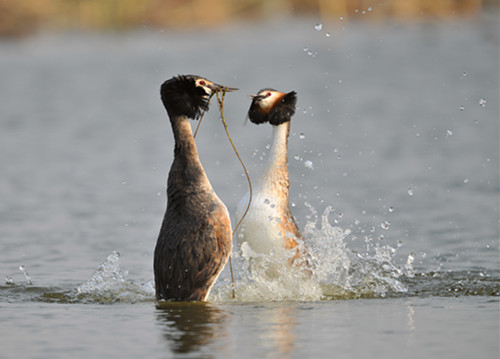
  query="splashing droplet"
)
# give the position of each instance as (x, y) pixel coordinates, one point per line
(302, 136)
(482, 102)
(318, 27)
(449, 133)
(409, 271)
(309, 164)
(391, 209)
(9, 281)
(26, 275)
(410, 192)
(385, 225)
(461, 108)
(466, 180)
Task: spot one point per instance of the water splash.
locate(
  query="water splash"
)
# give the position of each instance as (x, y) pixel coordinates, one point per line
(327, 270)
(26, 275)
(109, 284)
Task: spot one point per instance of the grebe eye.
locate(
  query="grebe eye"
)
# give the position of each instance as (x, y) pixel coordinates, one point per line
(202, 83)
(268, 94)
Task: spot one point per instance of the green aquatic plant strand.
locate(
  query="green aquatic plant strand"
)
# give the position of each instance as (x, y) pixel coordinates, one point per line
(220, 101)
(202, 114)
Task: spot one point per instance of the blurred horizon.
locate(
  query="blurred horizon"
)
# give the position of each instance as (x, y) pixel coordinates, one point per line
(27, 17)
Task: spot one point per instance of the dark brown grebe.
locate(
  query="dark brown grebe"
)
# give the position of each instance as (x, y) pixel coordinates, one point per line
(195, 237)
(269, 225)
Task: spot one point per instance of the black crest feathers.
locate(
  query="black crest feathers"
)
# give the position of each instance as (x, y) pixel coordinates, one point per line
(284, 110)
(181, 97)
(280, 112)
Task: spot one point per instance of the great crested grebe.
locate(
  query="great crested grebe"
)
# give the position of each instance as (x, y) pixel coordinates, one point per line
(195, 238)
(269, 226)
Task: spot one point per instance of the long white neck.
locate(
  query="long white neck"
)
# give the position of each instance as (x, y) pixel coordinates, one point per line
(275, 172)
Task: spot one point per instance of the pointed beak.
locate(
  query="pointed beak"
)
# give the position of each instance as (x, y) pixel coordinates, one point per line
(216, 87)
(256, 97)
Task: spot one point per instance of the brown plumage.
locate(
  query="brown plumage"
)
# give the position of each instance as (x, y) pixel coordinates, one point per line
(195, 237)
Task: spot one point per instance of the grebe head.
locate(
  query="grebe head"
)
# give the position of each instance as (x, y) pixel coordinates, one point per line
(188, 95)
(272, 106)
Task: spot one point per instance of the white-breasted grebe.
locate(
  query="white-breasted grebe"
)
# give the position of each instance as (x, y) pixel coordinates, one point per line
(195, 238)
(269, 227)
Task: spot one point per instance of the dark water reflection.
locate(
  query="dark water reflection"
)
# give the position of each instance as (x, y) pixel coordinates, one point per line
(192, 327)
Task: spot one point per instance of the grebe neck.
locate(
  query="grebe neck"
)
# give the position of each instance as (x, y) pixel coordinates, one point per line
(276, 170)
(186, 169)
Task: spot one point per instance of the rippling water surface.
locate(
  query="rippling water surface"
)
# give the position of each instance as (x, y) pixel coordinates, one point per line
(394, 165)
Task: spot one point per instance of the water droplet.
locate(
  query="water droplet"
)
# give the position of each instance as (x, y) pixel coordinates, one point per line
(297, 157)
(466, 180)
(293, 204)
(385, 225)
(268, 146)
(328, 34)
(309, 164)
(449, 133)
(302, 136)
(381, 237)
(410, 192)
(9, 280)
(270, 218)
(400, 244)
(318, 27)
(26, 275)
(464, 74)
(482, 102)
(461, 108)
(391, 209)
(341, 18)
(306, 49)
(370, 8)
(266, 201)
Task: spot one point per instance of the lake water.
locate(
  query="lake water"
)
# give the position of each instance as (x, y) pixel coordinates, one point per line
(394, 166)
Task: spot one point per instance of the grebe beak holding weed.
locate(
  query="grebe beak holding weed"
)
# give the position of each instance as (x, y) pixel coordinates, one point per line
(269, 228)
(195, 237)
